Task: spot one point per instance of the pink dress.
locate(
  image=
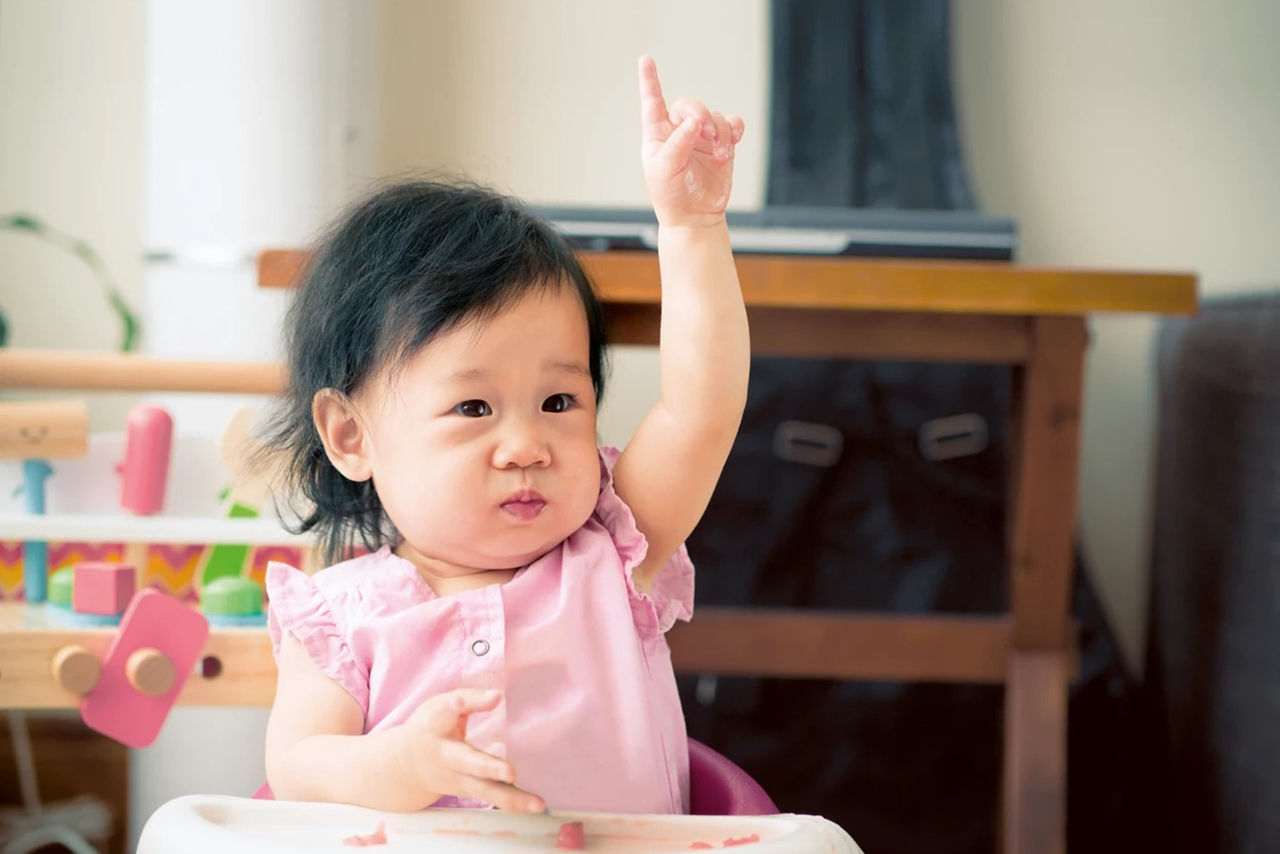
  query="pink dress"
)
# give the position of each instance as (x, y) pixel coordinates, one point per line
(590, 718)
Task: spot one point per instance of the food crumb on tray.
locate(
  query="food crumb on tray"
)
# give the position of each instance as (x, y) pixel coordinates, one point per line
(360, 840)
(571, 836)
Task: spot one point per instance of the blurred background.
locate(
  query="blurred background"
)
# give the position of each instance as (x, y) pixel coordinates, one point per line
(179, 139)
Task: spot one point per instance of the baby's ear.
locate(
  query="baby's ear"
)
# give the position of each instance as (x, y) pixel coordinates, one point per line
(342, 432)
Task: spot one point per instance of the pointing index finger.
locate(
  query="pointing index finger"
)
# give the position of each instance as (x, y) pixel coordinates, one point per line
(653, 107)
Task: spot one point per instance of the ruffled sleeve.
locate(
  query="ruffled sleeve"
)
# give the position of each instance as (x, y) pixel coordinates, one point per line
(671, 597)
(298, 606)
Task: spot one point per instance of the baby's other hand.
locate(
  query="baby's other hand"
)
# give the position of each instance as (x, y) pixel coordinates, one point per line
(687, 154)
(437, 757)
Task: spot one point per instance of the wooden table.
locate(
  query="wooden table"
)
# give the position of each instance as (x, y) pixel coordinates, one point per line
(1030, 318)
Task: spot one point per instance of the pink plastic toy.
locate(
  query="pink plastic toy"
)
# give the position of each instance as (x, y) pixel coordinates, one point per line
(145, 668)
(100, 587)
(145, 470)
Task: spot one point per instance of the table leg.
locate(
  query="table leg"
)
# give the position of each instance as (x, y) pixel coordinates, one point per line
(1035, 754)
(1044, 476)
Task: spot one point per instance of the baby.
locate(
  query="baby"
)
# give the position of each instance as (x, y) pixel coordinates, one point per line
(502, 643)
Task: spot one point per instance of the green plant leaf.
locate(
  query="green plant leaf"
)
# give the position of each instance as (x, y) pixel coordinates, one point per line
(23, 222)
(90, 258)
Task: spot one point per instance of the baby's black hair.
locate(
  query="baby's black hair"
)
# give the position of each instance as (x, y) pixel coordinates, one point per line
(410, 262)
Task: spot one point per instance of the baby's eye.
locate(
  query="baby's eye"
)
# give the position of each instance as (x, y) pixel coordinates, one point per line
(559, 403)
(473, 409)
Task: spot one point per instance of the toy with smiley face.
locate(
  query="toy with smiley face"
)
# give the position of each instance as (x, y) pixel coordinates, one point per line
(35, 432)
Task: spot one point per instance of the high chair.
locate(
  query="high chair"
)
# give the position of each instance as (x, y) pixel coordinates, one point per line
(716, 786)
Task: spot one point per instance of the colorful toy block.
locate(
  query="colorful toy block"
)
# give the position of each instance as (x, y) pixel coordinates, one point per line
(145, 668)
(254, 472)
(226, 560)
(234, 601)
(60, 586)
(102, 588)
(58, 609)
(144, 471)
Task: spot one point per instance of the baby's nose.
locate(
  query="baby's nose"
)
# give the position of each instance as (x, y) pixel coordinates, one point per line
(522, 448)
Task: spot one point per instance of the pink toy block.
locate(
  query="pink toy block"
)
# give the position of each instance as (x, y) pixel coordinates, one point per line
(100, 587)
(145, 469)
(145, 668)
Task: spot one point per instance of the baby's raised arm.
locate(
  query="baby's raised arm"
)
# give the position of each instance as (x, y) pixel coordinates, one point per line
(669, 468)
(316, 751)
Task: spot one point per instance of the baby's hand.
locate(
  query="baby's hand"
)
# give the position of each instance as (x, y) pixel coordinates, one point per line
(687, 154)
(438, 758)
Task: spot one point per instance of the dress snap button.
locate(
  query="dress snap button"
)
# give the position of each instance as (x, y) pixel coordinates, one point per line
(480, 647)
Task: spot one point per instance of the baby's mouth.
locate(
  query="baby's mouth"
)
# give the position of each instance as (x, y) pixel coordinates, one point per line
(524, 505)
(524, 509)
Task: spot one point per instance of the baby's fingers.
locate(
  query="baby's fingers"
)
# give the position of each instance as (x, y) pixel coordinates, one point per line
(481, 775)
(462, 758)
(691, 108)
(653, 107)
(724, 136)
(504, 796)
(443, 711)
(736, 127)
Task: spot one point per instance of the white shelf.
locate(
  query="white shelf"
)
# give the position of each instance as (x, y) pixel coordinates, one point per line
(146, 529)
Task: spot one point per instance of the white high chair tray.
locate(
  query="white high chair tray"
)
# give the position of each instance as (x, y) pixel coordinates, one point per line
(209, 824)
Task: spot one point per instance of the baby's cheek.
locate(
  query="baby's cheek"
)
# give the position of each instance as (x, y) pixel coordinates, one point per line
(429, 511)
(587, 488)
(588, 497)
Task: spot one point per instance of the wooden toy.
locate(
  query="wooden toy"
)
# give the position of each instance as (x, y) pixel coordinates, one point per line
(99, 587)
(35, 432)
(144, 668)
(44, 430)
(253, 479)
(145, 469)
(76, 669)
(35, 553)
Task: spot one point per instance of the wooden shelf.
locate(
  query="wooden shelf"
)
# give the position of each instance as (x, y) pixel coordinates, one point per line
(87, 370)
(29, 641)
(62, 528)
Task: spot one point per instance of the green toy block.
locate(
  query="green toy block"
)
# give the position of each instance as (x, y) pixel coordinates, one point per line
(60, 586)
(232, 597)
(226, 560)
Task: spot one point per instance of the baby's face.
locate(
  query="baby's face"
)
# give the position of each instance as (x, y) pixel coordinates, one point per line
(483, 448)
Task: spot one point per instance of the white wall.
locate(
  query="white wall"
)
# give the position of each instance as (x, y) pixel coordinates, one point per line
(1137, 135)
(71, 155)
(540, 100)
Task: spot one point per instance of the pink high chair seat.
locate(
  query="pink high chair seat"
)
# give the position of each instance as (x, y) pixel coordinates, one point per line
(716, 786)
